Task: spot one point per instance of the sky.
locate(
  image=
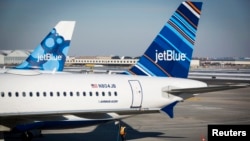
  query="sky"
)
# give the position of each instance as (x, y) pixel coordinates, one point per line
(123, 27)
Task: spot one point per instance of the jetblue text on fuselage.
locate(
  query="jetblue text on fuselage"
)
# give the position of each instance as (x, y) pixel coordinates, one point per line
(48, 56)
(169, 55)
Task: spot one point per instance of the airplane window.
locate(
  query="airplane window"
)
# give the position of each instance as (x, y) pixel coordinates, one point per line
(9, 93)
(51, 93)
(64, 93)
(109, 93)
(71, 93)
(31, 94)
(2, 94)
(84, 93)
(24, 94)
(37, 94)
(97, 94)
(103, 93)
(17, 94)
(77, 93)
(44, 94)
(58, 93)
(115, 93)
(90, 93)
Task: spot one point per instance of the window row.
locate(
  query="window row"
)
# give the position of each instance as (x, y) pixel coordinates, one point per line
(58, 94)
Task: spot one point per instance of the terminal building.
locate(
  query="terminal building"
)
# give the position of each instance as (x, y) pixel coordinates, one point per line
(101, 60)
(14, 57)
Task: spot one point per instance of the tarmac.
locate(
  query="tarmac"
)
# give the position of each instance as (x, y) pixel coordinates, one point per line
(190, 121)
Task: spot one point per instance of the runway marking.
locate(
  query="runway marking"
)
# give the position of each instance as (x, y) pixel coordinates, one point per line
(194, 99)
(202, 107)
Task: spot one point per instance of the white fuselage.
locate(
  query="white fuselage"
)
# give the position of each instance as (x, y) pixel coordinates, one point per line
(67, 93)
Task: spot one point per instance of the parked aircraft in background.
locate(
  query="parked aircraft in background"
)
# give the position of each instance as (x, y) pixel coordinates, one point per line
(67, 100)
(50, 54)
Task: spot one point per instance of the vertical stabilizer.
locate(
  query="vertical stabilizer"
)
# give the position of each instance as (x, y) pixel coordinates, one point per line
(170, 53)
(51, 53)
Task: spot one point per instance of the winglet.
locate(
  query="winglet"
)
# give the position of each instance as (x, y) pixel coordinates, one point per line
(170, 53)
(52, 51)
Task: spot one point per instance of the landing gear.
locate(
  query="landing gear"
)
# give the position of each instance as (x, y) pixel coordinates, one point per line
(27, 136)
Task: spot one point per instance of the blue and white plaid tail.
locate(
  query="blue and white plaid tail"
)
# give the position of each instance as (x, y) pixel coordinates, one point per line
(170, 53)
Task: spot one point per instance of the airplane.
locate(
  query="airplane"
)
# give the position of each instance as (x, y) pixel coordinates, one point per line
(50, 54)
(29, 104)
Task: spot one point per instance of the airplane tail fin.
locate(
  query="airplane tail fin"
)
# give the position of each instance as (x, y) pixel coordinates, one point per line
(170, 53)
(51, 53)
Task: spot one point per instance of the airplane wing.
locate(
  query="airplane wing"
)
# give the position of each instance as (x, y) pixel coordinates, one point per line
(66, 119)
(186, 93)
(57, 121)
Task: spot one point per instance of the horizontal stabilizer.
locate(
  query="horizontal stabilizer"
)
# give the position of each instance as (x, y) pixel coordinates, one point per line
(188, 92)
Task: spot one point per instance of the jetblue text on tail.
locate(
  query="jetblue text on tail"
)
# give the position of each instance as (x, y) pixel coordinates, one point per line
(49, 57)
(169, 55)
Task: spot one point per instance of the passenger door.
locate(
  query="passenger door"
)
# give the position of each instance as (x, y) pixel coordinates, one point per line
(136, 93)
